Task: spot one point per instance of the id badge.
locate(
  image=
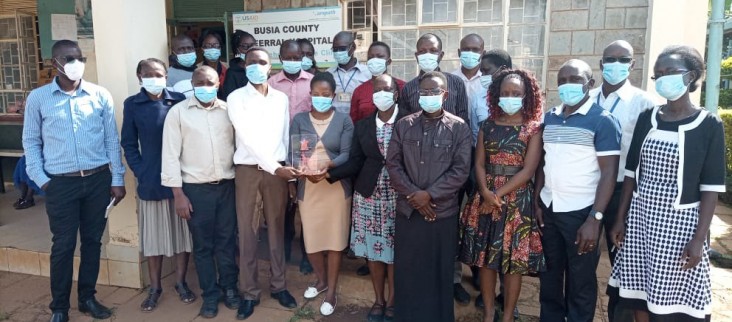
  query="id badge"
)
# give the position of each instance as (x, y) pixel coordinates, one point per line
(344, 97)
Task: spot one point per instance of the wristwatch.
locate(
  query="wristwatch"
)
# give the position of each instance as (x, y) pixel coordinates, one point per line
(596, 214)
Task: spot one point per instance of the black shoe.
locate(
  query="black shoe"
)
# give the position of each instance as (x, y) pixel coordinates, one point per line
(305, 267)
(479, 301)
(95, 309)
(231, 299)
(60, 317)
(209, 310)
(460, 294)
(363, 270)
(285, 299)
(246, 309)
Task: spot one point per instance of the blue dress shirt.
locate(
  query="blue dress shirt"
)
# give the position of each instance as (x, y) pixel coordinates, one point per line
(70, 132)
(142, 140)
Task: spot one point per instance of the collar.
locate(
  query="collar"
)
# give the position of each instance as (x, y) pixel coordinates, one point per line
(380, 123)
(361, 68)
(250, 90)
(459, 72)
(625, 92)
(581, 110)
(83, 86)
(142, 97)
(193, 102)
(281, 76)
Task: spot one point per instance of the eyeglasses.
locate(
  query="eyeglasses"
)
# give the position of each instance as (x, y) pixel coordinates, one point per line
(209, 46)
(431, 92)
(675, 72)
(71, 59)
(622, 60)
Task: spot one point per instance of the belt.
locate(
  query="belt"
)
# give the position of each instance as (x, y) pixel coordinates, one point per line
(83, 173)
(502, 170)
(256, 166)
(217, 182)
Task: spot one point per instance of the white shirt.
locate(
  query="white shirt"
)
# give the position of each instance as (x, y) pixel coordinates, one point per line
(625, 104)
(477, 103)
(262, 125)
(380, 123)
(346, 82)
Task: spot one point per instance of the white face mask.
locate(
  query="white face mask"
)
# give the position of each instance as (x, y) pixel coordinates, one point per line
(74, 70)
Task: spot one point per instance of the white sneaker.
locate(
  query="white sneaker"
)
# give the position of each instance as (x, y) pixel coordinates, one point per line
(311, 292)
(328, 309)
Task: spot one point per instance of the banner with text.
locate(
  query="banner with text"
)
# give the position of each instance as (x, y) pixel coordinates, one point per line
(272, 28)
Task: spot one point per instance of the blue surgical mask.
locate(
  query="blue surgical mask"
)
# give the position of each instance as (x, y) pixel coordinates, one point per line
(205, 94)
(614, 73)
(212, 54)
(377, 66)
(307, 63)
(241, 56)
(571, 94)
(342, 57)
(322, 104)
(671, 87)
(186, 60)
(428, 62)
(510, 105)
(430, 104)
(153, 85)
(486, 81)
(292, 67)
(383, 100)
(257, 74)
(469, 59)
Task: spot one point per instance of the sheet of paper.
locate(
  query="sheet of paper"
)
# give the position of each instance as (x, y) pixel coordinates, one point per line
(63, 27)
(109, 208)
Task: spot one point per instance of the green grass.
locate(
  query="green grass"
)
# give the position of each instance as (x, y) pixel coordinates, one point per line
(303, 313)
(4, 316)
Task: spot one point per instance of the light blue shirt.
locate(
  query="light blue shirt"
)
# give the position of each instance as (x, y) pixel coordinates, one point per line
(69, 132)
(478, 113)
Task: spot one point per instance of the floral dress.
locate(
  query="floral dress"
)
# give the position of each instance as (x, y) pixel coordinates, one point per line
(372, 226)
(507, 240)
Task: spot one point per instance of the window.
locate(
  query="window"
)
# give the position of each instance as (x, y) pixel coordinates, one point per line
(518, 26)
(18, 61)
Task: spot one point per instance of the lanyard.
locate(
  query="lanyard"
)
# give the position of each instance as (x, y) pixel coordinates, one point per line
(612, 109)
(338, 71)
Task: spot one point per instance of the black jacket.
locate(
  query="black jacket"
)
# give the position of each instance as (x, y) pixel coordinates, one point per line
(365, 162)
(236, 77)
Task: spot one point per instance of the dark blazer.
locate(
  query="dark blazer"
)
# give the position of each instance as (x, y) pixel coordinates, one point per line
(365, 160)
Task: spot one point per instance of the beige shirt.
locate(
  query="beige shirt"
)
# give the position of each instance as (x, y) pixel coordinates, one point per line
(198, 144)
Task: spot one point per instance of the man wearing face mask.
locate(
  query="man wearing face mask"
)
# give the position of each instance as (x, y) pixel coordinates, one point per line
(181, 71)
(197, 163)
(582, 148)
(261, 118)
(625, 102)
(471, 51)
(349, 73)
(429, 54)
(428, 161)
(362, 104)
(72, 152)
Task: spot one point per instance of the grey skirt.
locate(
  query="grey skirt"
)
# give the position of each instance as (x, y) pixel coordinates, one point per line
(162, 232)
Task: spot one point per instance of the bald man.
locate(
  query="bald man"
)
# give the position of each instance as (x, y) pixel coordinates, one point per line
(198, 164)
(182, 67)
(349, 73)
(625, 102)
(582, 147)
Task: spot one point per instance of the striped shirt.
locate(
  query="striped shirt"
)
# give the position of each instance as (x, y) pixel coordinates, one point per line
(457, 98)
(572, 146)
(70, 132)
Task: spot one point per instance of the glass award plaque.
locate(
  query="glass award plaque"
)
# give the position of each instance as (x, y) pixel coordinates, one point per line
(304, 158)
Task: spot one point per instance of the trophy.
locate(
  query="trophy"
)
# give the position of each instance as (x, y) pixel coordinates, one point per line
(304, 158)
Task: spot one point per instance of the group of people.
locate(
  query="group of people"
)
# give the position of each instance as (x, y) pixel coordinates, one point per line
(381, 166)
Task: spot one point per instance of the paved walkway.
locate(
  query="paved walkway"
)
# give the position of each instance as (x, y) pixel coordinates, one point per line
(24, 298)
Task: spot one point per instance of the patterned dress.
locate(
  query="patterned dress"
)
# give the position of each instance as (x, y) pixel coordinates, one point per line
(507, 240)
(372, 228)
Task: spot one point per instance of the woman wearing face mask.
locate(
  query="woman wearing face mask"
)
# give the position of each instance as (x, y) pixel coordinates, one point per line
(374, 200)
(324, 206)
(162, 232)
(379, 59)
(211, 44)
(308, 56)
(499, 231)
(236, 75)
(662, 268)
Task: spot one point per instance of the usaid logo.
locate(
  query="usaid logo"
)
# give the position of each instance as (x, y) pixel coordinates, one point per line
(246, 18)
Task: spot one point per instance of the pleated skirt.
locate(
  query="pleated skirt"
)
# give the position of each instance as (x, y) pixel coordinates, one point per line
(162, 232)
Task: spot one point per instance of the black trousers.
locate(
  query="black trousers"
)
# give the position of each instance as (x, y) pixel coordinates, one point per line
(424, 254)
(76, 204)
(213, 228)
(568, 290)
(614, 313)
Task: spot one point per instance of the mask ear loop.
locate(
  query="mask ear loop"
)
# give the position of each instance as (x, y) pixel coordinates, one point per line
(60, 70)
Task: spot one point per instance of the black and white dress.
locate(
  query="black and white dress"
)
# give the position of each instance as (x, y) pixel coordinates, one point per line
(647, 271)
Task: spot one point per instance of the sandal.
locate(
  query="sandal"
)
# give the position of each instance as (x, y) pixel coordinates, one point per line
(376, 317)
(151, 302)
(389, 314)
(186, 295)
